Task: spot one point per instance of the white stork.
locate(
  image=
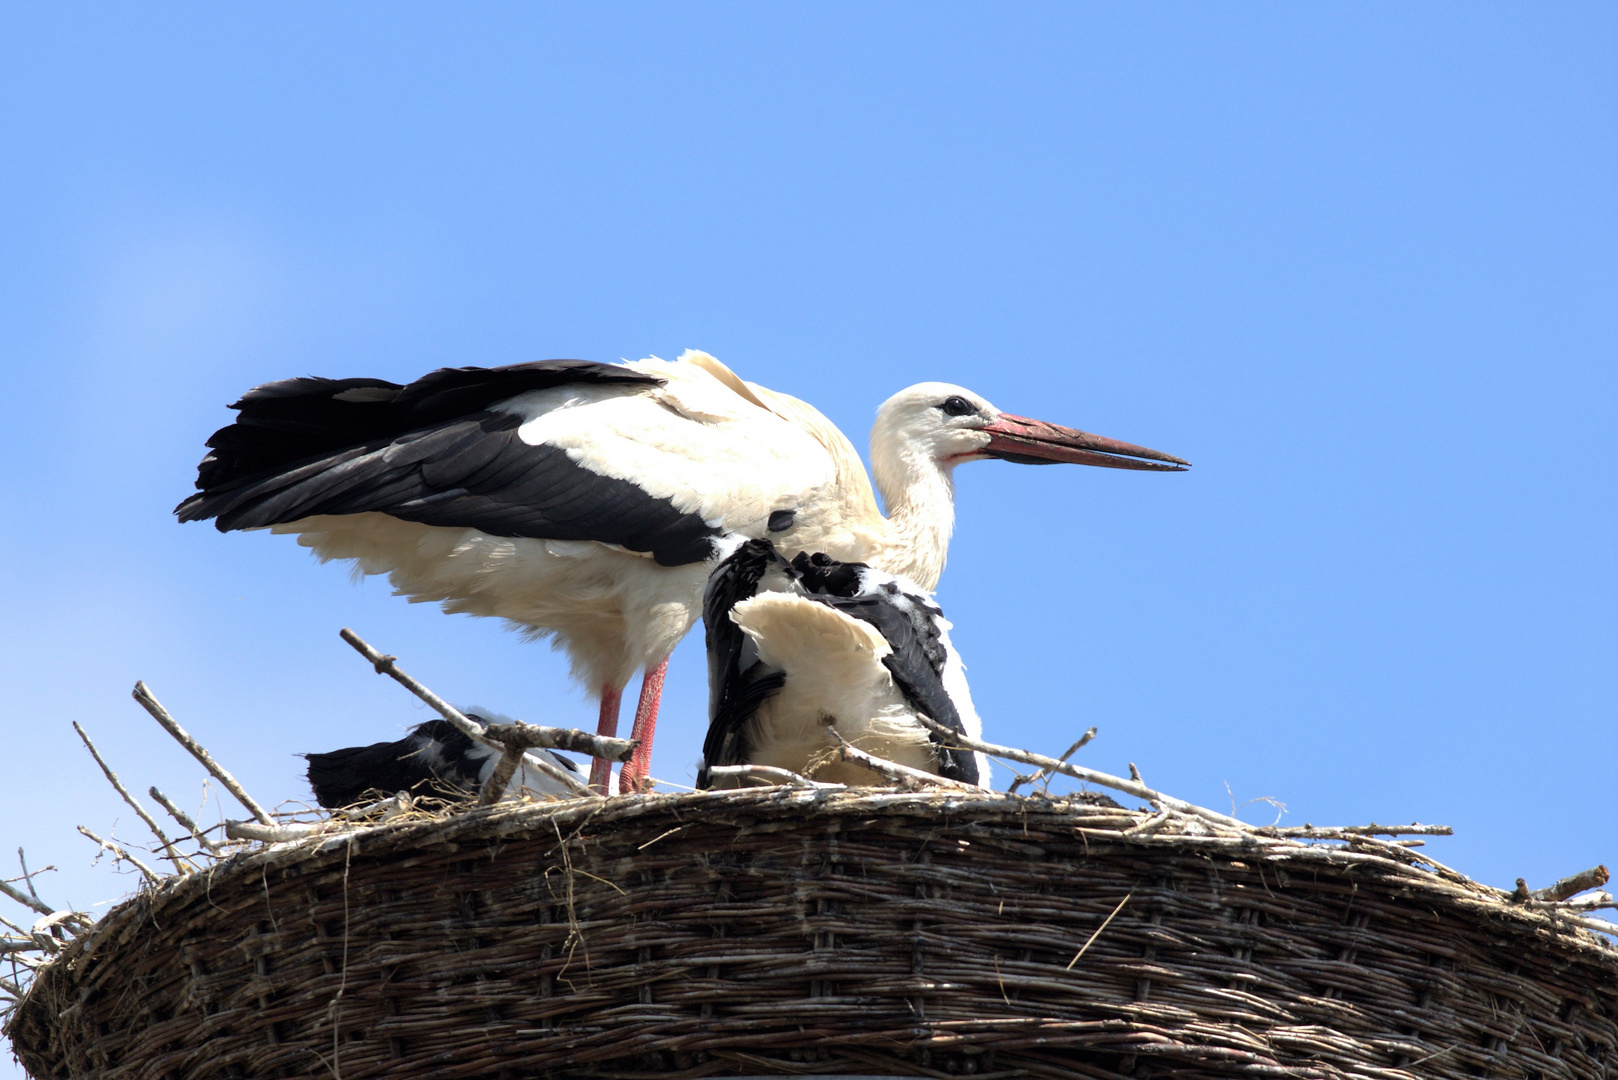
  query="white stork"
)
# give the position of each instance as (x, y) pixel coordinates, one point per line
(579, 501)
(805, 652)
(436, 758)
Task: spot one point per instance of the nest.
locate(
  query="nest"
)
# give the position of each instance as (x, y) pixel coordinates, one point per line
(792, 931)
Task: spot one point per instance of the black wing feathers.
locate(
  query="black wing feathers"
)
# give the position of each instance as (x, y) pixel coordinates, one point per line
(429, 452)
(736, 687)
(431, 760)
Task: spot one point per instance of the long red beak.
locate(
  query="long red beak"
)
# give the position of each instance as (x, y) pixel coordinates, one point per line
(1034, 442)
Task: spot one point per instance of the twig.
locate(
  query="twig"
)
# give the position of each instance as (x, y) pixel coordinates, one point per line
(17, 945)
(1333, 832)
(904, 775)
(1092, 940)
(28, 878)
(768, 773)
(1150, 825)
(49, 929)
(389, 808)
(123, 793)
(1582, 903)
(535, 736)
(271, 834)
(1089, 776)
(388, 665)
(119, 853)
(1035, 777)
(1573, 884)
(31, 902)
(161, 715)
(185, 821)
(517, 738)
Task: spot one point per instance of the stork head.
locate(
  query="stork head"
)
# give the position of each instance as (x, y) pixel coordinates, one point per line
(950, 424)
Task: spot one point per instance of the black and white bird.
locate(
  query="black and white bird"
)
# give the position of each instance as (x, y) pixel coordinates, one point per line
(801, 652)
(579, 501)
(436, 759)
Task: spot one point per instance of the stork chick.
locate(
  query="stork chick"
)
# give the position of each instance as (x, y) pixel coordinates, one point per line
(804, 653)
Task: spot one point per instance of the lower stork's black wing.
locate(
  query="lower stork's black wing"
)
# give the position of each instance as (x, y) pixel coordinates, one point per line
(737, 682)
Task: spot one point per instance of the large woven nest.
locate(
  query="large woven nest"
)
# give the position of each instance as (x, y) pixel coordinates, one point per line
(792, 931)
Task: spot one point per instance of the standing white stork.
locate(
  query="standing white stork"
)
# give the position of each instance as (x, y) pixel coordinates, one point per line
(807, 652)
(579, 501)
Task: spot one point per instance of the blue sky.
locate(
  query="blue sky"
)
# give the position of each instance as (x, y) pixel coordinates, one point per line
(1357, 262)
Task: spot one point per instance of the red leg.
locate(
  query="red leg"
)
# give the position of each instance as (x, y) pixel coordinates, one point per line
(600, 768)
(632, 777)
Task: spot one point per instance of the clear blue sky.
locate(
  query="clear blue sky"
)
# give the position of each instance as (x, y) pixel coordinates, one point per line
(1356, 261)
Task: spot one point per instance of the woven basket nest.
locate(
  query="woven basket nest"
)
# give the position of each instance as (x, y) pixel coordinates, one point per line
(784, 931)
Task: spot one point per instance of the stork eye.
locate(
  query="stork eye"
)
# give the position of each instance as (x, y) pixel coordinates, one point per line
(956, 405)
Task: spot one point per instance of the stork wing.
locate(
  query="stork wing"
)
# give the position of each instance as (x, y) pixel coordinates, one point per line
(737, 683)
(556, 450)
(916, 664)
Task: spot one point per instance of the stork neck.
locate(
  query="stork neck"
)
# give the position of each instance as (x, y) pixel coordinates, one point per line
(920, 498)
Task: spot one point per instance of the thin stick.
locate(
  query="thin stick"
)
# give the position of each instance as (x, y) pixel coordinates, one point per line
(1583, 903)
(1089, 776)
(1331, 832)
(32, 902)
(1035, 777)
(1573, 884)
(1104, 923)
(161, 715)
(534, 736)
(271, 834)
(123, 793)
(17, 945)
(517, 738)
(119, 853)
(388, 665)
(768, 773)
(1150, 825)
(28, 878)
(185, 821)
(901, 774)
(391, 807)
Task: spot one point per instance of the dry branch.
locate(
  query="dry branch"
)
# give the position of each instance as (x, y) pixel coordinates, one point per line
(26, 901)
(769, 774)
(517, 738)
(388, 665)
(903, 775)
(534, 736)
(185, 821)
(1335, 832)
(1089, 776)
(161, 715)
(1573, 884)
(272, 834)
(123, 793)
(31, 902)
(118, 852)
(1039, 774)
